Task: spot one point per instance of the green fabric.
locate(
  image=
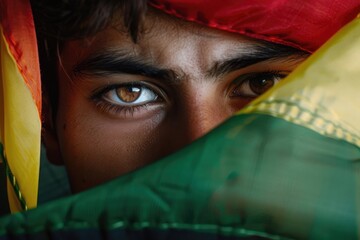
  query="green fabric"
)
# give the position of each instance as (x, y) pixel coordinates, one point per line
(254, 175)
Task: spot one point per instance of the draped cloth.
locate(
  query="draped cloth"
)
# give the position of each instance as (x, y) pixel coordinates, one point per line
(305, 24)
(284, 167)
(20, 103)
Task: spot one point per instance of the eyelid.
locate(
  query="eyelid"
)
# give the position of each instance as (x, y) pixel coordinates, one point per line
(129, 111)
(98, 93)
(247, 76)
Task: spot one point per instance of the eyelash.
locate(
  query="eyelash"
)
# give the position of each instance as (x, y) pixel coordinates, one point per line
(108, 107)
(249, 76)
(255, 75)
(117, 109)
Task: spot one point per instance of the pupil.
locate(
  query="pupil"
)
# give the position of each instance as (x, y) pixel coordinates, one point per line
(261, 85)
(129, 93)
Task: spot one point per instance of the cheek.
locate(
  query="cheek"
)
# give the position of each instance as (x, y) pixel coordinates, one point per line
(97, 148)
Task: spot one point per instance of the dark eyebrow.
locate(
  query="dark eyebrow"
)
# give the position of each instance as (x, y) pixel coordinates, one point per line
(117, 62)
(264, 51)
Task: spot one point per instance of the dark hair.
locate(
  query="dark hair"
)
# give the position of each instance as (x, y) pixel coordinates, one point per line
(61, 20)
(73, 19)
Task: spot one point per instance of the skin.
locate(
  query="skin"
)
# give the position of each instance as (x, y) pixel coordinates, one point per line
(99, 137)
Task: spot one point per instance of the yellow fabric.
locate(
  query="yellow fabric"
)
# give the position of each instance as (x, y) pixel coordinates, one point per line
(20, 129)
(306, 97)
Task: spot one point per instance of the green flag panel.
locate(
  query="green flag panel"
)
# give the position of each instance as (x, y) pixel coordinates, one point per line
(254, 176)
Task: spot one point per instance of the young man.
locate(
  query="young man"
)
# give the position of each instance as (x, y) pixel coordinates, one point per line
(127, 85)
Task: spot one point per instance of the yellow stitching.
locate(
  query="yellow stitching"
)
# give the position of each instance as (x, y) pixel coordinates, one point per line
(293, 113)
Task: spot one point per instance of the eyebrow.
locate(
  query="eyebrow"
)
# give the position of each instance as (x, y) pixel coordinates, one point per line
(119, 62)
(265, 51)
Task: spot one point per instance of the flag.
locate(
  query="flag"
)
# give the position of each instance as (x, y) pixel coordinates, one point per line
(284, 167)
(20, 103)
(323, 93)
(304, 24)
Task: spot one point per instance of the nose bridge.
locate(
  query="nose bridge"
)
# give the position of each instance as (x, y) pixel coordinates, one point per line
(198, 110)
(202, 115)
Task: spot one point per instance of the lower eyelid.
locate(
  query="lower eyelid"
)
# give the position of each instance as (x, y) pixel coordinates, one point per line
(118, 109)
(128, 112)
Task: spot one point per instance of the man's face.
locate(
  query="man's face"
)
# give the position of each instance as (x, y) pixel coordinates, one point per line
(123, 105)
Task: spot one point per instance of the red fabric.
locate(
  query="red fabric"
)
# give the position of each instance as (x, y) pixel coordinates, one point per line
(19, 32)
(304, 24)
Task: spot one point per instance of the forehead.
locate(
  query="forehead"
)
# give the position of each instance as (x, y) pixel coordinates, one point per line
(160, 34)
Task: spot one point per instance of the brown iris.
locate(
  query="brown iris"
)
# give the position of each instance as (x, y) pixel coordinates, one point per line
(128, 94)
(261, 85)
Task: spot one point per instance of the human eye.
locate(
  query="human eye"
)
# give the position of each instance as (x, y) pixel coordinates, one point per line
(252, 85)
(128, 97)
